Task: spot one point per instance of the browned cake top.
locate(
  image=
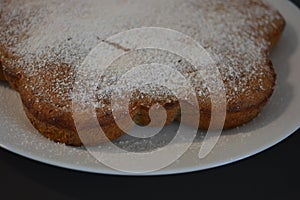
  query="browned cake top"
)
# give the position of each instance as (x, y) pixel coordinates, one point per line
(48, 40)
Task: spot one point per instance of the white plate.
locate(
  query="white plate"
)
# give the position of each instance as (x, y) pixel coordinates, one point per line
(277, 121)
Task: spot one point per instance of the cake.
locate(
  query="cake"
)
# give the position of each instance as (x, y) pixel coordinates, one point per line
(43, 44)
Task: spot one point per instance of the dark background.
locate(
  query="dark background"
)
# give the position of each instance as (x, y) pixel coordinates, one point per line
(274, 173)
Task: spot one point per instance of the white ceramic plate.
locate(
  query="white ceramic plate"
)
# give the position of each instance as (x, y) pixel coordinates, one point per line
(277, 121)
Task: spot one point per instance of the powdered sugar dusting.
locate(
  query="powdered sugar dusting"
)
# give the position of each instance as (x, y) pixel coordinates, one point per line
(46, 34)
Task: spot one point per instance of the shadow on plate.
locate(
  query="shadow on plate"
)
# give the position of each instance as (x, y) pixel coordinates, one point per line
(4, 84)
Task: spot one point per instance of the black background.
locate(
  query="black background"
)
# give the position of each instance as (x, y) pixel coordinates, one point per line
(274, 173)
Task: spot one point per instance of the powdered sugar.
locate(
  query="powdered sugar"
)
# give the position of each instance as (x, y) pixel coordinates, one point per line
(45, 34)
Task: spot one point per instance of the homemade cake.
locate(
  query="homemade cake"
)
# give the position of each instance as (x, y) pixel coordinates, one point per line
(43, 43)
